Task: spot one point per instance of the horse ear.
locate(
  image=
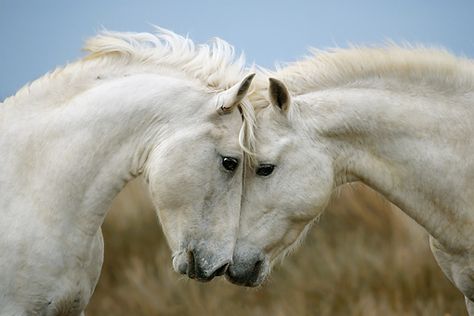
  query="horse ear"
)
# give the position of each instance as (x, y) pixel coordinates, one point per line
(232, 96)
(279, 94)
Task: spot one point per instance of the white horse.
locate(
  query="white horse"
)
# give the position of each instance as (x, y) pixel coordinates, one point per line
(399, 120)
(156, 105)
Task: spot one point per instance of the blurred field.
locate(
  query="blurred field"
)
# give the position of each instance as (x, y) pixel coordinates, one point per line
(365, 257)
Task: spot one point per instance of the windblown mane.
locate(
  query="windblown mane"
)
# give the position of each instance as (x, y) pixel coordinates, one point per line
(214, 64)
(339, 67)
(113, 54)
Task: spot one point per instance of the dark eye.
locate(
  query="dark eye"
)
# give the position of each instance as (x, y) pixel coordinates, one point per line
(230, 163)
(265, 170)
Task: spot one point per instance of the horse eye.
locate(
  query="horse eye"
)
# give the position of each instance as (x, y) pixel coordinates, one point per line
(265, 170)
(230, 163)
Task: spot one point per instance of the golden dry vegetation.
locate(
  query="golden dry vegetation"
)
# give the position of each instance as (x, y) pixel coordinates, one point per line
(364, 257)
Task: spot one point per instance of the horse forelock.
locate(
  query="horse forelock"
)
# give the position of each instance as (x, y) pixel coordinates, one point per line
(247, 139)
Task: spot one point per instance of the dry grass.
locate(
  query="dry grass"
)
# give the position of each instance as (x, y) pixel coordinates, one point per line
(364, 258)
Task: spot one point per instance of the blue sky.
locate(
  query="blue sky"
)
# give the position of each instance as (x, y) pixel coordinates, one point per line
(37, 36)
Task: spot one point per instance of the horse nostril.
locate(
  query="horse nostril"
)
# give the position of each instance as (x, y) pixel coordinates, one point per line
(183, 268)
(191, 266)
(220, 271)
(256, 268)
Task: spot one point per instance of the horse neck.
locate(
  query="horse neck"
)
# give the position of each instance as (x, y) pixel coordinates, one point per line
(71, 160)
(408, 144)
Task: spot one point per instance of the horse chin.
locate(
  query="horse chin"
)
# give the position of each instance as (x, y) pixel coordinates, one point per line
(247, 283)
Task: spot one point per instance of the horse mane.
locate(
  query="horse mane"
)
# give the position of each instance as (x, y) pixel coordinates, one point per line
(213, 64)
(351, 66)
(114, 54)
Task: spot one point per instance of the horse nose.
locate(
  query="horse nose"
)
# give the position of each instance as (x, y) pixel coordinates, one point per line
(198, 267)
(246, 273)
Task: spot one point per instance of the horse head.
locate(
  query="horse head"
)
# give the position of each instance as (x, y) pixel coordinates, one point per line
(195, 179)
(280, 200)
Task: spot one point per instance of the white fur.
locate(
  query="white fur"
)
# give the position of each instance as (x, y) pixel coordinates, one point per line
(400, 120)
(138, 104)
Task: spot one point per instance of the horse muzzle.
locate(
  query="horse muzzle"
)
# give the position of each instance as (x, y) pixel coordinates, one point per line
(247, 269)
(199, 265)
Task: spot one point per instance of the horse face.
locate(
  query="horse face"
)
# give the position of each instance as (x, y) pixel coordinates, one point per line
(284, 192)
(195, 179)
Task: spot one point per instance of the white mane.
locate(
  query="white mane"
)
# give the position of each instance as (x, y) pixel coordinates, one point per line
(113, 54)
(213, 64)
(339, 67)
